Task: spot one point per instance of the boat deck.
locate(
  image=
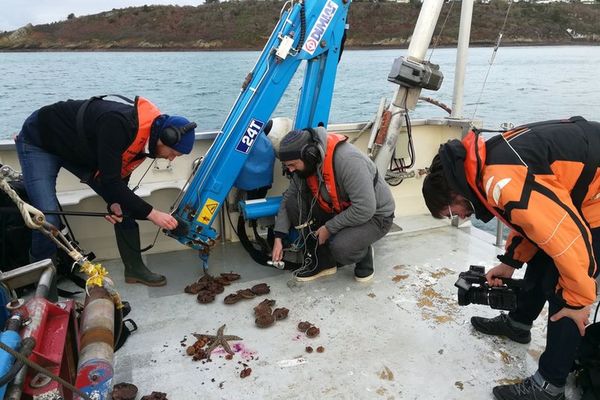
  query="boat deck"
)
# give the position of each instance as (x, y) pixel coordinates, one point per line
(400, 336)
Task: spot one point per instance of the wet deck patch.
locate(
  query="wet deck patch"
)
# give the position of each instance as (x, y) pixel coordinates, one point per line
(386, 374)
(399, 278)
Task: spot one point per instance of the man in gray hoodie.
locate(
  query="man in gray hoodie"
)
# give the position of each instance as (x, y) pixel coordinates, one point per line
(337, 200)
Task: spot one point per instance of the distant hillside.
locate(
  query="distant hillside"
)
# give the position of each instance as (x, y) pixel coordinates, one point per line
(247, 25)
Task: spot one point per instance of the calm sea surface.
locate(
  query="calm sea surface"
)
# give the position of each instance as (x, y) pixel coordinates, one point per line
(525, 83)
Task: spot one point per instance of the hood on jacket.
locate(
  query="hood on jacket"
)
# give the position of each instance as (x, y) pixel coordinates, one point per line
(453, 155)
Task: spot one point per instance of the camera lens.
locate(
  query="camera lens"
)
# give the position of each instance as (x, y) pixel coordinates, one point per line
(463, 298)
(478, 295)
(503, 300)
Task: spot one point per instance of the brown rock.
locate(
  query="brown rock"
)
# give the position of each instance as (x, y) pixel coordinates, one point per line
(260, 289)
(264, 307)
(124, 391)
(320, 349)
(230, 276)
(194, 288)
(312, 332)
(232, 298)
(309, 349)
(245, 372)
(155, 396)
(222, 281)
(280, 313)
(199, 355)
(303, 326)
(205, 297)
(247, 294)
(215, 287)
(264, 320)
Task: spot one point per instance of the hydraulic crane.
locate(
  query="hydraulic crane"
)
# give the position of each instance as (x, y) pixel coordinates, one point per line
(311, 31)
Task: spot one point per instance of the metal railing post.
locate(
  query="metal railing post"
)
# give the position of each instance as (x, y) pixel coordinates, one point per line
(499, 233)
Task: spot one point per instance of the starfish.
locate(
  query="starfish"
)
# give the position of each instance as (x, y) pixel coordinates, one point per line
(217, 340)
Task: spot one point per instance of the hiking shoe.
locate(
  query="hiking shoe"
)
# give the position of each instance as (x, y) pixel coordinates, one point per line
(501, 326)
(529, 389)
(306, 275)
(363, 272)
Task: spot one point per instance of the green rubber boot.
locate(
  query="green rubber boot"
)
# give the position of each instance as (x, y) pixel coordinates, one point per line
(128, 241)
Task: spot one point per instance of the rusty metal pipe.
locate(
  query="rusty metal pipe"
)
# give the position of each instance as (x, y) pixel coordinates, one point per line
(95, 367)
(25, 275)
(45, 282)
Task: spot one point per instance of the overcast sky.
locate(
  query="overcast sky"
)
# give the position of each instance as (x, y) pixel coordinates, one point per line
(16, 13)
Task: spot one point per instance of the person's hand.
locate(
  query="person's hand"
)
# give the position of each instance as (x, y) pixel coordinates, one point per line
(494, 275)
(277, 253)
(116, 214)
(581, 317)
(162, 219)
(322, 234)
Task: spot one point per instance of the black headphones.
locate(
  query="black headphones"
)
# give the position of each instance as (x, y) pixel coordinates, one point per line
(310, 154)
(171, 135)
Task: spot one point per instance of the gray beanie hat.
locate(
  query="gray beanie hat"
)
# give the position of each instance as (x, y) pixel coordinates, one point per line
(292, 144)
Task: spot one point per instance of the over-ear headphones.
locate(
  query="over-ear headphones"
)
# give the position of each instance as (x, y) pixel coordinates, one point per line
(310, 154)
(171, 135)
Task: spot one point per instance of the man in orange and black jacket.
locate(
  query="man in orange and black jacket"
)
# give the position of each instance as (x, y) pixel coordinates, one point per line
(543, 181)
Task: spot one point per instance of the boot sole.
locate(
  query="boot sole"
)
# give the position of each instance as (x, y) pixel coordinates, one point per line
(364, 278)
(153, 284)
(321, 274)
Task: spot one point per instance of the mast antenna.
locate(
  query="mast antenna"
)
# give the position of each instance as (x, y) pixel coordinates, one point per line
(492, 58)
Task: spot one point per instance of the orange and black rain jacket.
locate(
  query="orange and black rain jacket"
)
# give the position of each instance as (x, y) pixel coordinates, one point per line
(543, 181)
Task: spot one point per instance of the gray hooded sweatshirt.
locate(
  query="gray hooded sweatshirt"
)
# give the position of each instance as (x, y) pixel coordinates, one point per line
(355, 174)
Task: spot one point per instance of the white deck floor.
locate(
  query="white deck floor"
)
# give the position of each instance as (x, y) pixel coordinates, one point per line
(401, 336)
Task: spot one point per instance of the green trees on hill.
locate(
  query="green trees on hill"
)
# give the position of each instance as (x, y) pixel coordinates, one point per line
(247, 24)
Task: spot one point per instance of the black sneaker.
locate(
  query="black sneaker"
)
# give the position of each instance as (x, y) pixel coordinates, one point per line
(529, 390)
(363, 272)
(316, 265)
(306, 274)
(501, 326)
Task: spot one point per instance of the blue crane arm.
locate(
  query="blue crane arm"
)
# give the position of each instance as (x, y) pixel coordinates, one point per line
(310, 31)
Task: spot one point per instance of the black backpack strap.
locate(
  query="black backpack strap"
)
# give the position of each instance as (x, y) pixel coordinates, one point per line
(81, 114)
(126, 330)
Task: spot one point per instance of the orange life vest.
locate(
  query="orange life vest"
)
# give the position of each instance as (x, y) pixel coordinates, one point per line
(146, 114)
(336, 205)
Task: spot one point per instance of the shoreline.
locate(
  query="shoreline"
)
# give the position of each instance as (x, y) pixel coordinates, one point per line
(366, 47)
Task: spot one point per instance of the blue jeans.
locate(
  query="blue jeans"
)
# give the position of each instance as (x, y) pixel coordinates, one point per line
(40, 169)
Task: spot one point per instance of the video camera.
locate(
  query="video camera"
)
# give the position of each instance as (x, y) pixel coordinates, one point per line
(473, 288)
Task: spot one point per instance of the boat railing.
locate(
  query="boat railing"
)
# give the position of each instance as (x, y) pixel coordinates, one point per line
(499, 233)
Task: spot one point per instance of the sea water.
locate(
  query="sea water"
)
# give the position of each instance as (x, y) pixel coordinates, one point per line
(524, 84)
